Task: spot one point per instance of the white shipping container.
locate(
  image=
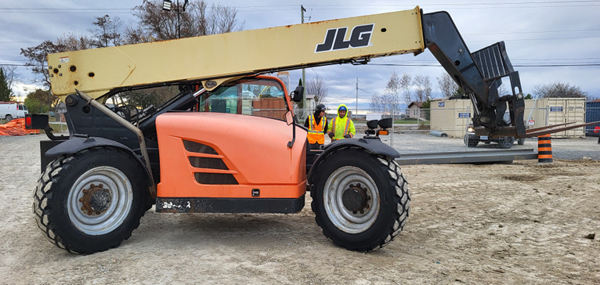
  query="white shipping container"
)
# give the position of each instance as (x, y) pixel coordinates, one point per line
(452, 116)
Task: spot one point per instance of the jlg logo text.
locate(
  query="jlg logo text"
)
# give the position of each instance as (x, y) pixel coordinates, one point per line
(334, 38)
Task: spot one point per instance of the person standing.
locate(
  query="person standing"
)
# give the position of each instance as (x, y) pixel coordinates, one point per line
(317, 127)
(341, 127)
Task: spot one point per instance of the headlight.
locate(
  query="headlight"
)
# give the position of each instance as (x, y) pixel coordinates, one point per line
(470, 130)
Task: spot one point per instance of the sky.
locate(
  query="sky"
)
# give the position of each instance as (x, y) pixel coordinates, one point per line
(547, 41)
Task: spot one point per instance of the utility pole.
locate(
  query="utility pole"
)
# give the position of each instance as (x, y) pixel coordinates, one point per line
(302, 10)
(356, 97)
(178, 22)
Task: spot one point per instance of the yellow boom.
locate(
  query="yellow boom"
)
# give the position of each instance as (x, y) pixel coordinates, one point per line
(98, 71)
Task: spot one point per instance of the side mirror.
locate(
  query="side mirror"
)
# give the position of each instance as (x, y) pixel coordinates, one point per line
(298, 93)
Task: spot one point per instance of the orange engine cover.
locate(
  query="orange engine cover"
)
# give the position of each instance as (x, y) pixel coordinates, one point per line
(217, 155)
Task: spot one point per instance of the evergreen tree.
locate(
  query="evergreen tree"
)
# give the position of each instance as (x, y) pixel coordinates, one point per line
(4, 90)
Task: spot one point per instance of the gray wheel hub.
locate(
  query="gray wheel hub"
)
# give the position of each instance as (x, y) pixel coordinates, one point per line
(96, 199)
(351, 199)
(355, 198)
(100, 200)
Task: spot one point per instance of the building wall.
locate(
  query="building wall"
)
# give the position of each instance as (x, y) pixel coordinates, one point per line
(416, 112)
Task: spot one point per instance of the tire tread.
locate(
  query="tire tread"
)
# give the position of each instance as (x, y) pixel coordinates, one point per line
(43, 194)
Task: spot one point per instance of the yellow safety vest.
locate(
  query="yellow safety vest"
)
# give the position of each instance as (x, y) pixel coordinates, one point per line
(333, 129)
(315, 131)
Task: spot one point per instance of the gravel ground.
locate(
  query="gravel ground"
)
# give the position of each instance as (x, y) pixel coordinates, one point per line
(519, 223)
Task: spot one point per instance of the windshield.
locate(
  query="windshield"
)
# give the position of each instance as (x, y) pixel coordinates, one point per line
(256, 97)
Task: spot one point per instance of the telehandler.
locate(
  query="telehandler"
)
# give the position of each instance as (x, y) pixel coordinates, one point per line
(209, 149)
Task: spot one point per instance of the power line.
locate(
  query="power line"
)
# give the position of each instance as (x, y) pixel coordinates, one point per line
(293, 7)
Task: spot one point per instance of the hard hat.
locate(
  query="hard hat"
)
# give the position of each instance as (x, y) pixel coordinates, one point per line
(342, 109)
(320, 108)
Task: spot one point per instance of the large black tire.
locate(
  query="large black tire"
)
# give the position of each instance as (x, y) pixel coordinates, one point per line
(365, 223)
(471, 140)
(90, 201)
(507, 142)
(8, 118)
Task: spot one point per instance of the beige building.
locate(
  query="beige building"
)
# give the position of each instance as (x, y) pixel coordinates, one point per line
(415, 111)
(453, 116)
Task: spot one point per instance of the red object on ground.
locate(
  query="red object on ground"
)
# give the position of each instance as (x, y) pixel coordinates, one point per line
(16, 127)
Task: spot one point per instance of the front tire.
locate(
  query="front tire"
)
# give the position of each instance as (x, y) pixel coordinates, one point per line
(90, 201)
(360, 200)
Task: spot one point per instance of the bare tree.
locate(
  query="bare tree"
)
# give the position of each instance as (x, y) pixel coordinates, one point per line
(155, 24)
(385, 103)
(71, 42)
(317, 87)
(405, 82)
(559, 90)
(423, 88)
(393, 86)
(134, 35)
(390, 100)
(376, 102)
(37, 60)
(446, 85)
(107, 31)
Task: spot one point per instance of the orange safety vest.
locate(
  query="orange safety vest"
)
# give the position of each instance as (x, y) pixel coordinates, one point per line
(315, 132)
(345, 128)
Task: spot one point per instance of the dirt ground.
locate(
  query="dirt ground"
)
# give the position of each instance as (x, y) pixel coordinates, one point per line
(519, 223)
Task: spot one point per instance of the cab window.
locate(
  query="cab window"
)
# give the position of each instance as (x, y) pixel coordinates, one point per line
(255, 97)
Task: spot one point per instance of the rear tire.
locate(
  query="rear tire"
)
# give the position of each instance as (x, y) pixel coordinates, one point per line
(360, 200)
(90, 201)
(8, 118)
(507, 142)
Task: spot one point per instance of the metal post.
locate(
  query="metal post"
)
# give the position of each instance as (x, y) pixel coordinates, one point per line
(392, 135)
(178, 23)
(356, 97)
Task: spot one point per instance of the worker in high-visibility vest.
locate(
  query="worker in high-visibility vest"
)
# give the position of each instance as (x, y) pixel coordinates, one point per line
(341, 127)
(317, 127)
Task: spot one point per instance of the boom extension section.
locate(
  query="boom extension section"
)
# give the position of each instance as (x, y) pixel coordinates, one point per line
(217, 59)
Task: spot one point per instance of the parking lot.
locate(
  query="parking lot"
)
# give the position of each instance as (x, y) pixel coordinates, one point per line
(519, 223)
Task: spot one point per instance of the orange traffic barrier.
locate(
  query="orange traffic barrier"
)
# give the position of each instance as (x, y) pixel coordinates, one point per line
(544, 149)
(16, 127)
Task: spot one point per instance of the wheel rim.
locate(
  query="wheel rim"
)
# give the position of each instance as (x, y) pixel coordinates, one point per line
(100, 200)
(351, 182)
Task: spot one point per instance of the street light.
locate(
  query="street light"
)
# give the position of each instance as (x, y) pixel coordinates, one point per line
(167, 7)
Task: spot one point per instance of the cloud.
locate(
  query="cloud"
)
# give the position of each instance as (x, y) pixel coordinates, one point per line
(537, 34)
(22, 89)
